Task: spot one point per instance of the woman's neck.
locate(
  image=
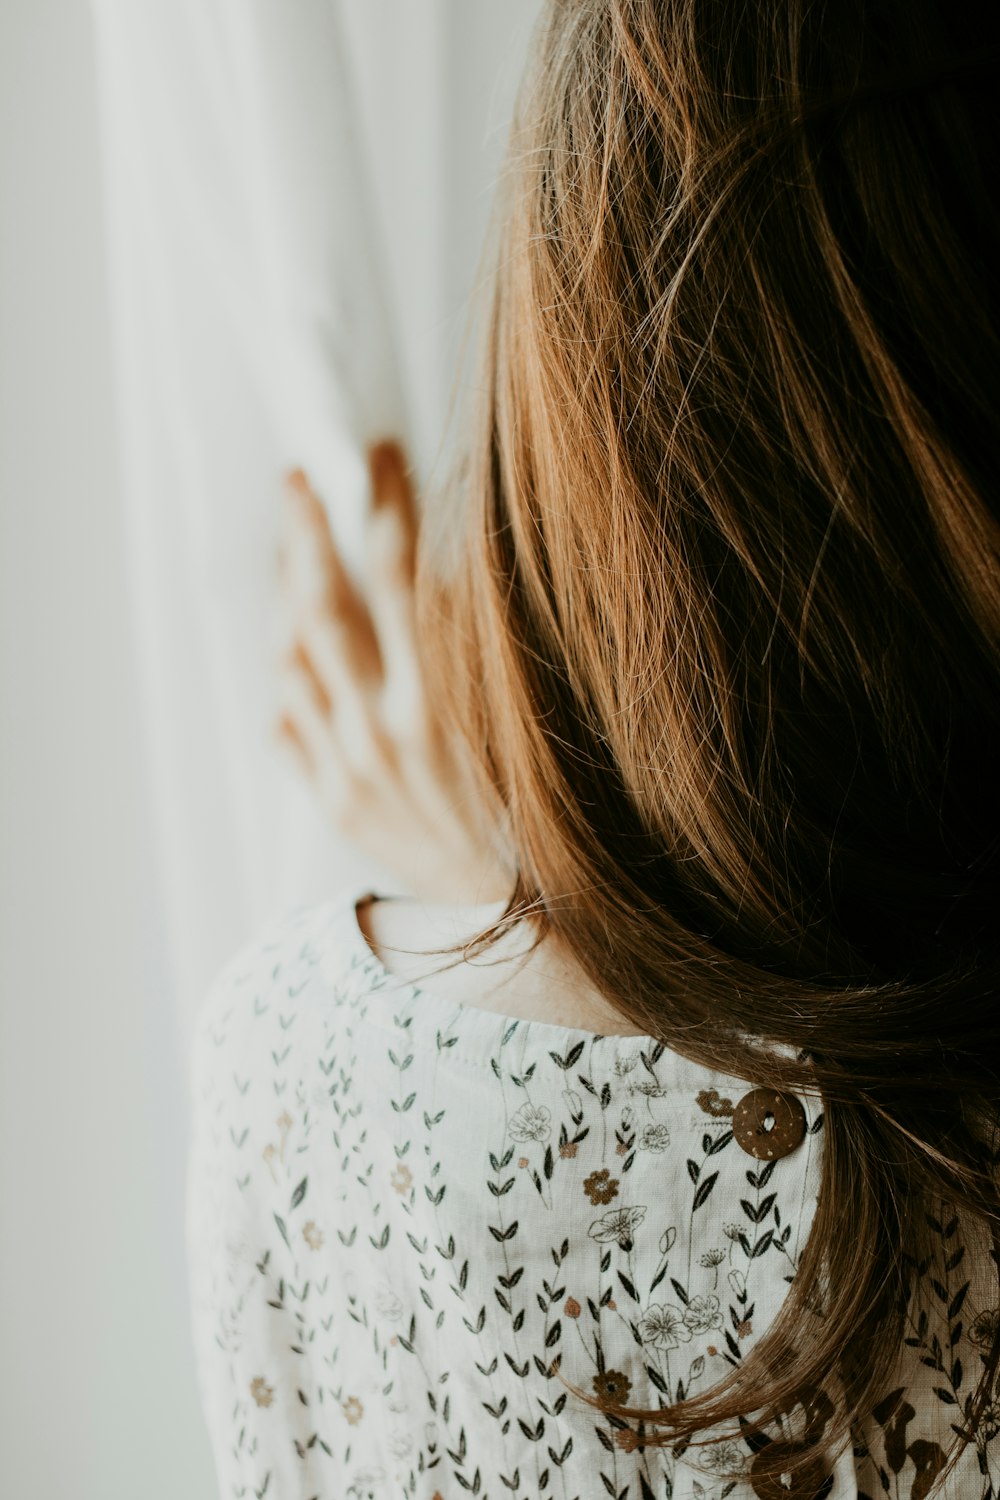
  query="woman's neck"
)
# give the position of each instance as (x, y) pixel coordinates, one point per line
(539, 985)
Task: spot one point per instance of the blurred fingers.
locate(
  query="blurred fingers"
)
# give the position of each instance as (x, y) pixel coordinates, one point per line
(345, 706)
(318, 583)
(316, 676)
(392, 566)
(394, 509)
(288, 734)
(312, 556)
(303, 715)
(314, 734)
(324, 644)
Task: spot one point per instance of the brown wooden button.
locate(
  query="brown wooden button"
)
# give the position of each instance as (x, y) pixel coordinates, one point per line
(769, 1125)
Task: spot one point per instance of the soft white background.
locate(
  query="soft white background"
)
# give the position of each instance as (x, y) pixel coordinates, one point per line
(96, 1392)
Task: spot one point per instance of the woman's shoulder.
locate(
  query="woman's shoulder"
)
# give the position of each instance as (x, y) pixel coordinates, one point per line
(299, 950)
(597, 1204)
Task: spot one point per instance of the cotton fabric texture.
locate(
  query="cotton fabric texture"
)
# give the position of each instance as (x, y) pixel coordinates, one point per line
(410, 1223)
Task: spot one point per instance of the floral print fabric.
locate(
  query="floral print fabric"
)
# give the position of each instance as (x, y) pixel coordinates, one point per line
(412, 1225)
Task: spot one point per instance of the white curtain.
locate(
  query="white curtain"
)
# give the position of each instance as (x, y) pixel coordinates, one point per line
(297, 192)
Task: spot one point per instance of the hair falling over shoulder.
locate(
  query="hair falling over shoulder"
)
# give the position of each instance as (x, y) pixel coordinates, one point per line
(720, 617)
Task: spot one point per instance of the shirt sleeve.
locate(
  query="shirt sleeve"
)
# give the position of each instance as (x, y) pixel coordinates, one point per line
(257, 1398)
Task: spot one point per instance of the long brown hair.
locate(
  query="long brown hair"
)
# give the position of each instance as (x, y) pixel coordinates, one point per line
(721, 620)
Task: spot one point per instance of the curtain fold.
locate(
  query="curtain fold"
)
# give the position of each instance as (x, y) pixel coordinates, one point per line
(295, 191)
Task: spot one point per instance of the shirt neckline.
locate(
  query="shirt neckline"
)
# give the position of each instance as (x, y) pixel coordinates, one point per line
(485, 1039)
(440, 1013)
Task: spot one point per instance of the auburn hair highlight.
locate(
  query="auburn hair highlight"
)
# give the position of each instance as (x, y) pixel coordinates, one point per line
(715, 604)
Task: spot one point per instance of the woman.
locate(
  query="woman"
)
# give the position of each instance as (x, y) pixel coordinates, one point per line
(677, 1176)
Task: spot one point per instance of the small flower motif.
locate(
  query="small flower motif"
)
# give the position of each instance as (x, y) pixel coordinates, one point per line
(654, 1138)
(619, 1225)
(387, 1304)
(711, 1258)
(611, 1304)
(430, 1434)
(649, 1087)
(522, 1161)
(261, 1392)
(663, 1326)
(732, 1231)
(400, 1444)
(571, 1308)
(626, 1063)
(711, 1102)
(989, 1427)
(353, 1410)
(612, 1388)
(667, 1239)
(984, 1328)
(738, 1282)
(285, 1121)
(712, 1350)
(744, 1328)
(703, 1313)
(627, 1439)
(620, 1148)
(721, 1458)
(573, 1101)
(531, 1123)
(600, 1186)
(402, 1178)
(312, 1235)
(568, 1149)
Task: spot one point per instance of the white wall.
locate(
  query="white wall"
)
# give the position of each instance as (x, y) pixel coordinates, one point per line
(97, 1399)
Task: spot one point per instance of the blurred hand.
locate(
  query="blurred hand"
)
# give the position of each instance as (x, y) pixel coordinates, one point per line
(351, 703)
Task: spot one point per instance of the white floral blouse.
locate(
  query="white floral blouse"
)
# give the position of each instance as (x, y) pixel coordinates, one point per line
(412, 1225)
